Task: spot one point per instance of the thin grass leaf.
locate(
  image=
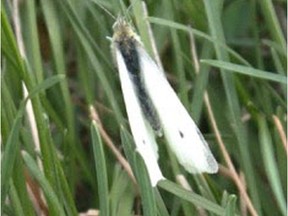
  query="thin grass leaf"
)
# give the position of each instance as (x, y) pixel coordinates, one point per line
(11, 48)
(128, 145)
(146, 189)
(273, 23)
(276, 46)
(162, 210)
(54, 203)
(277, 61)
(87, 43)
(101, 170)
(121, 193)
(71, 148)
(24, 71)
(70, 10)
(230, 67)
(47, 83)
(31, 39)
(139, 168)
(10, 152)
(201, 82)
(142, 27)
(12, 145)
(191, 197)
(183, 90)
(213, 11)
(16, 202)
(198, 33)
(270, 163)
(230, 209)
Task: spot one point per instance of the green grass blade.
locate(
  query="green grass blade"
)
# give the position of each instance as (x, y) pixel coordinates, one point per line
(231, 206)
(128, 145)
(191, 197)
(270, 163)
(10, 153)
(31, 39)
(197, 33)
(101, 170)
(201, 83)
(142, 27)
(213, 11)
(87, 44)
(146, 189)
(273, 23)
(121, 193)
(54, 203)
(230, 67)
(47, 83)
(162, 210)
(139, 168)
(16, 203)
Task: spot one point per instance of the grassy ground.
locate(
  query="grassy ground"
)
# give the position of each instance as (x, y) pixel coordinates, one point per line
(64, 131)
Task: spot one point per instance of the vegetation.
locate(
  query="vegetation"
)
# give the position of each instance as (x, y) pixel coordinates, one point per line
(66, 142)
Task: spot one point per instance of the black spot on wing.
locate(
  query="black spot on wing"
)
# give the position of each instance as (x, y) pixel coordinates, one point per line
(181, 134)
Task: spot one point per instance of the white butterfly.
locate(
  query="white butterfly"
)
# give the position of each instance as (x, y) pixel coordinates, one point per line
(152, 104)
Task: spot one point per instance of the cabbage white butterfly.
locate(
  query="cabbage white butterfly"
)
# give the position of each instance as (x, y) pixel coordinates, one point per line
(152, 105)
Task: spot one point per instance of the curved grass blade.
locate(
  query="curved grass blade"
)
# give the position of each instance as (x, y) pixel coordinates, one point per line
(270, 163)
(230, 67)
(191, 197)
(101, 170)
(54, 203)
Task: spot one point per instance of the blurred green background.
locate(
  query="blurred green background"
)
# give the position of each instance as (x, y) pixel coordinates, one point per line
(55, 161)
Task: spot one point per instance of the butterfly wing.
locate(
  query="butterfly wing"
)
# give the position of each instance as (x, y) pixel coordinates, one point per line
(182, 134)
(142, 132)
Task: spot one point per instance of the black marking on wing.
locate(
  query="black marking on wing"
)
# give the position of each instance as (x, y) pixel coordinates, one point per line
(130, 55)
(181, 134)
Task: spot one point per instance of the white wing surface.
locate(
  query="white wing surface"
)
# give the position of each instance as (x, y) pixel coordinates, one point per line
(142, 133)
(182, 134)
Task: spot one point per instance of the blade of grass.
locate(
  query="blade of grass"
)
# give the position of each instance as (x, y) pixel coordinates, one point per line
(71, 146)
(101, 170)
(231, 206)
(180, 68)
(162, 210)
(10, 152)
(198, 33)
(55, 206)
(142, 27)
(27, 76)
(213, 11)
(121, 193)
(16, 202)
(273, 24)
(12, 145)
(230, 67)
(200, 82)
(31, 39)
(191, 197)
(139, 168)
(146, 189)
(270, 163)
(85, 41)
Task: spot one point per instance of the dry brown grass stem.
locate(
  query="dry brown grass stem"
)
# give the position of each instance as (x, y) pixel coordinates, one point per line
(281, 132)
(228, 161)
(94, 116)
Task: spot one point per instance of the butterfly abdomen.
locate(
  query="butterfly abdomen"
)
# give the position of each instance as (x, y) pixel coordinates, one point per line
(128, 49)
